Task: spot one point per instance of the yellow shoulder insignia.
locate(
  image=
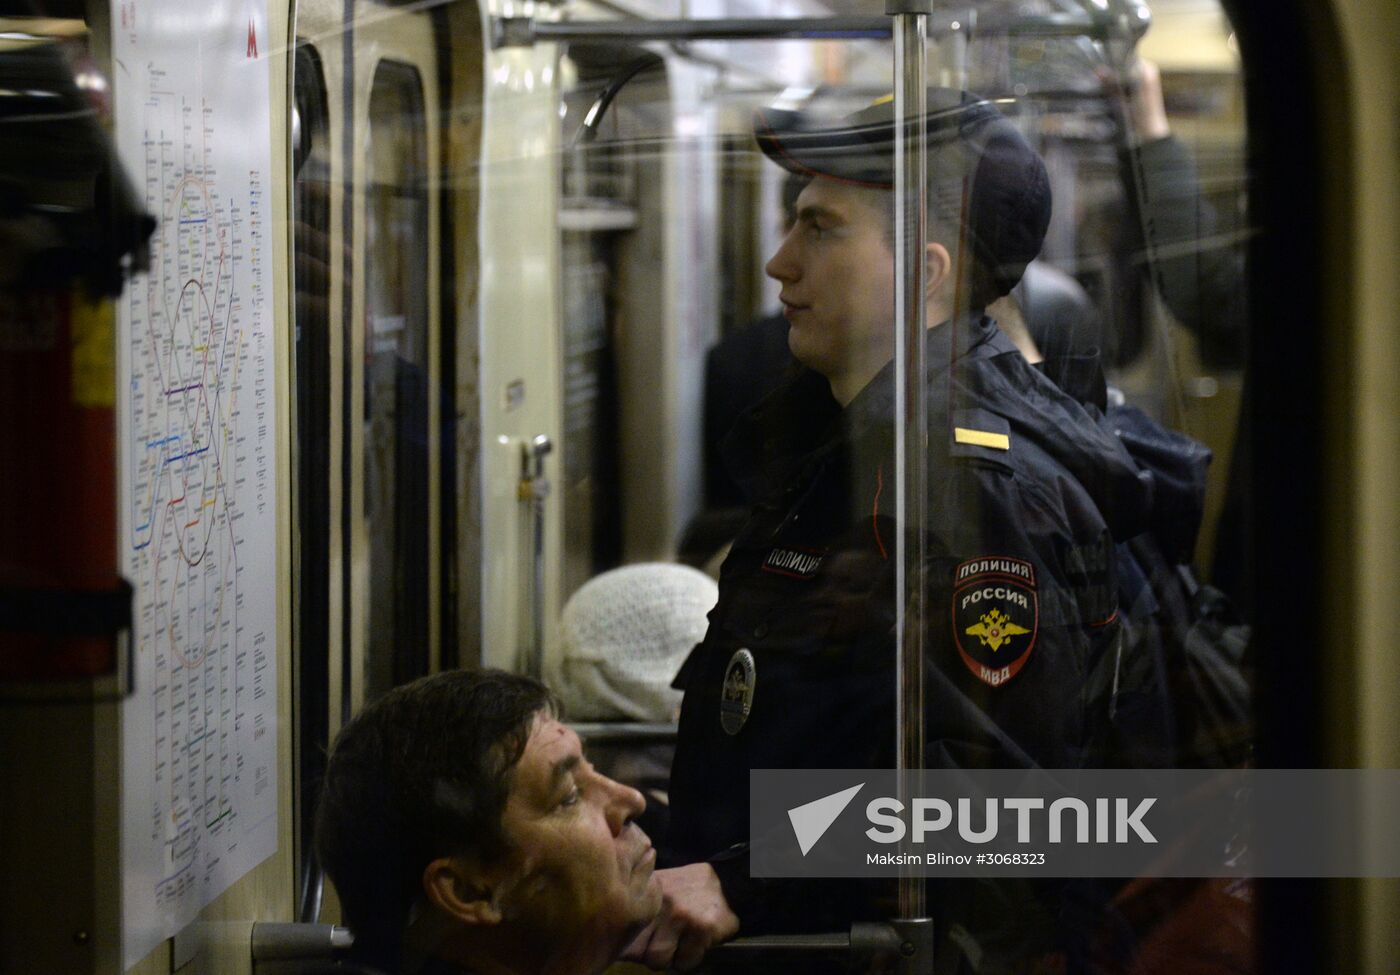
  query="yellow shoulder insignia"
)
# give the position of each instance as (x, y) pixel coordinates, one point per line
(981, 438)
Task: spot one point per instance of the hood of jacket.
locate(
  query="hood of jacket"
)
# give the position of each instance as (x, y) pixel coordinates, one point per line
(1177, 466)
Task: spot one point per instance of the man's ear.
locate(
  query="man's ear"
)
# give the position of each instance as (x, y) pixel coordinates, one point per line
(460, 892)
(938, 267)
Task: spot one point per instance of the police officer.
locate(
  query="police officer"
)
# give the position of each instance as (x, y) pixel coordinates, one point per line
(1025, 496)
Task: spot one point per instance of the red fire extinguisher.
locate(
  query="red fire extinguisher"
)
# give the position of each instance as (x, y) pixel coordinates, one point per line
(63, 605)
(71, 232)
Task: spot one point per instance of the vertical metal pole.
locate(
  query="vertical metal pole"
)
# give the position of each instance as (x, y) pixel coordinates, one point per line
(911, 398)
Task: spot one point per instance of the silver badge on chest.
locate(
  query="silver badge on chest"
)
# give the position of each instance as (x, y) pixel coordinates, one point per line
(736, 696)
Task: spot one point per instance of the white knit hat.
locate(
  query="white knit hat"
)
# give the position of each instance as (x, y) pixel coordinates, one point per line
(625, 633)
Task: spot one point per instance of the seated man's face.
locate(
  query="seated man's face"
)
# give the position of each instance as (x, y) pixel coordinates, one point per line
(585, 869)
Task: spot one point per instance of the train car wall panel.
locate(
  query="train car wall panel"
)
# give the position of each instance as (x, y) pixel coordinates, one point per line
(48, 843)
(649, 316)
(1364, 241)
(201, 450)
(521, 382)
(695, 250)
(462, 137)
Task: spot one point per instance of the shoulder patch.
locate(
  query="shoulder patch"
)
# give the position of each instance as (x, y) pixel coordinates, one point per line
(996, 615)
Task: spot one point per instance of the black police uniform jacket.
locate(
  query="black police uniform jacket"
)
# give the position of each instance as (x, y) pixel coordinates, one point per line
(1025, 495)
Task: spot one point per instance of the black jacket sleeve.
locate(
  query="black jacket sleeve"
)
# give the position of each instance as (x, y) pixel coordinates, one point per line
(1195, 254)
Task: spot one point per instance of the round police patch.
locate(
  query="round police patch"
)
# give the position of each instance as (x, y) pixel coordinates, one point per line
(995, 616)
(736, 696)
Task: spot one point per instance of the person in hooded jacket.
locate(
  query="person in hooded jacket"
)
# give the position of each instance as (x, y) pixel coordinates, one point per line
(1026, 496)
(1183, 698)
(1183, 688)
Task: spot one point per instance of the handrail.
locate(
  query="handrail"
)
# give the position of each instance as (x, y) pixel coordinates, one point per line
(286, 941)
(763, 947)
(525, 31)
(864, 944)
(288, 947)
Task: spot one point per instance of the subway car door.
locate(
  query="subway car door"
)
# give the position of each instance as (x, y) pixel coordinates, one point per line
(375, 450)
(393, 399)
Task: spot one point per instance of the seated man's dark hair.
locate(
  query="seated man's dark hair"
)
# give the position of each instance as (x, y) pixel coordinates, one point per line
(421, 773)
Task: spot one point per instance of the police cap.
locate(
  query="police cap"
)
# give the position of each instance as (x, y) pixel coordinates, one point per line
(1009, 189)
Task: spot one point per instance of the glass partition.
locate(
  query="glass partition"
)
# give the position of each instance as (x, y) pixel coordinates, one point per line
(1078, 588)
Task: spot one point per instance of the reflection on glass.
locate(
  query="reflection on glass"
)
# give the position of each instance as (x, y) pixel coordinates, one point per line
(590, 412)
(396, 379)
(1070, 616)
(605, 183)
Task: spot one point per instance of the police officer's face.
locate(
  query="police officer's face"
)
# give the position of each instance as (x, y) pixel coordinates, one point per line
(837, 272)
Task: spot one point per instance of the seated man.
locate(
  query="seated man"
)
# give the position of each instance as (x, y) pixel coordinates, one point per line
(466, 832)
